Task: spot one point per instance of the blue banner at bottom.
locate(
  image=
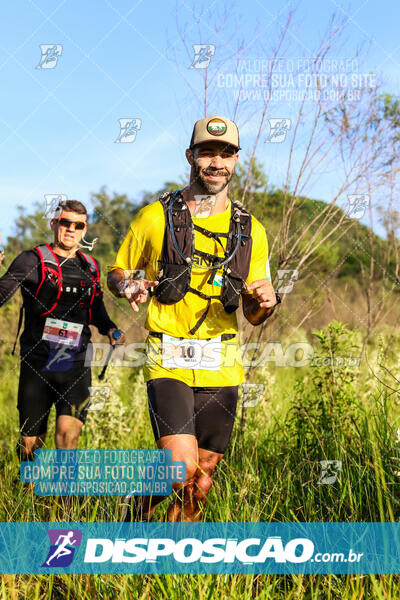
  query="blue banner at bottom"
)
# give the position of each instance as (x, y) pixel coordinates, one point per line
(194, 548)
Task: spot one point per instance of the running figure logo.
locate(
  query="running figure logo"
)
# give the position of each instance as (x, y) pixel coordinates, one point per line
(287, 278)
(63, 543)
(330, 471)
(52, 209)
(357, 204)
(60, 359)
(252, 394)
(50, 55)
(98, 395)
(202, 55)
(128, 130)
(278, 130)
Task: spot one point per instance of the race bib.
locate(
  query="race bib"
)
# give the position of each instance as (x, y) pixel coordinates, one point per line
(191, 353)
(62, 332)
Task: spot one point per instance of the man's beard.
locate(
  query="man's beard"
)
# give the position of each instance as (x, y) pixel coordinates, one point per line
(207, 186)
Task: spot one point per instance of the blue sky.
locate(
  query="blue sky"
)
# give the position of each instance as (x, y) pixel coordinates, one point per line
(125, 59)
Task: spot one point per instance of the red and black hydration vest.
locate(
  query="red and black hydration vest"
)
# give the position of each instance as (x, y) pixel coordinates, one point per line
(50, 286)
(178, 251)
(48, 292)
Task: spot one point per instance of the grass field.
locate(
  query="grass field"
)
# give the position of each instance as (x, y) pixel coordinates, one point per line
(270, 471)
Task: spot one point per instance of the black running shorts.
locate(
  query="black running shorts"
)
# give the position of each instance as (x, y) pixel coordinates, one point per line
(39, 390)
(208, 413)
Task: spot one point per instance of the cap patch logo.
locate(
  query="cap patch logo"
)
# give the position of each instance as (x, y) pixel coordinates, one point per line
(216, 127)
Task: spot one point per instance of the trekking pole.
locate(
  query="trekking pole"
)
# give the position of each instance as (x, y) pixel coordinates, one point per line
(116, 335)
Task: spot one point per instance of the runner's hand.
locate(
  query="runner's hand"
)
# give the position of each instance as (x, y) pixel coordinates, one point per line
(263, 292)
(113, 342)
(136, 291)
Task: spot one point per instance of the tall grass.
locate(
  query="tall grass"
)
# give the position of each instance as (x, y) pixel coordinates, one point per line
(269, 473)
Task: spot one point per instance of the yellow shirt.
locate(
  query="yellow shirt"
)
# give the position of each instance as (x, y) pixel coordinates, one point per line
(142, 249)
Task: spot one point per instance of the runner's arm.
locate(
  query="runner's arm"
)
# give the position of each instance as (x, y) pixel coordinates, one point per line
(100, 316)
(258, 296)
(253, 311)
(22, 270)
(115, 278)
(131, 257)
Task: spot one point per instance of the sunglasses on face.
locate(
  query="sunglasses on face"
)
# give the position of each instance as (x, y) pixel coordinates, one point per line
(67, 223)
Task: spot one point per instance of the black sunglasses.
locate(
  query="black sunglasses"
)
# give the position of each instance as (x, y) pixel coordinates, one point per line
(67, 223)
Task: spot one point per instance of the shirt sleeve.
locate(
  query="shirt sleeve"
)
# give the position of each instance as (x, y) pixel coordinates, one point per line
(100, 316)
(132, 253)
(259, 263)
(22, 269)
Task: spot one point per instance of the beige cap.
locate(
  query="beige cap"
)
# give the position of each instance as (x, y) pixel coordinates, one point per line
(215, 129)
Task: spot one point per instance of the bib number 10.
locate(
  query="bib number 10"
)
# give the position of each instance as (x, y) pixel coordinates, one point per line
(187, 351)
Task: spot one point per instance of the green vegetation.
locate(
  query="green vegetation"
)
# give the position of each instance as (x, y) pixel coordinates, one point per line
(270, 473)
(334, 410)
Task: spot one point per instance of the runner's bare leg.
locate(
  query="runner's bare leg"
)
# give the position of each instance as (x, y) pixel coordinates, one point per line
(190, 496)
(28, 444)
(67, 432)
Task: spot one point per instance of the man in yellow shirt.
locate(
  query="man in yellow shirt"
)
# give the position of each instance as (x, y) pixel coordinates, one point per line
(200, 253)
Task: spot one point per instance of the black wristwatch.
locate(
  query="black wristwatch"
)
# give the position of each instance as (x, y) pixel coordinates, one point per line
(278, 301)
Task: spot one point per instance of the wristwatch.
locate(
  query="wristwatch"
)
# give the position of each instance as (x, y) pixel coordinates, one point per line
(278, 301)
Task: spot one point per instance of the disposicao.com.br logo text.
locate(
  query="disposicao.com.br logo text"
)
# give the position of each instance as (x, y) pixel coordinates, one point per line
(212, 550)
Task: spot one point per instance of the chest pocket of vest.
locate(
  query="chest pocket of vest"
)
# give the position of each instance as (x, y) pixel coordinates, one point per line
(231, 293)
(174, 285)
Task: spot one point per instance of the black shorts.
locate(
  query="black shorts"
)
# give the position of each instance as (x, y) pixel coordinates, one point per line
(208, 413)
(39, 390)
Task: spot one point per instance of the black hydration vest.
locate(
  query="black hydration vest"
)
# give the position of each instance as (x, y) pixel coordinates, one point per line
(178, 251)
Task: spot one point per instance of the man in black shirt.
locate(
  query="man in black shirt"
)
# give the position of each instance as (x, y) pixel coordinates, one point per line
(62, 295)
